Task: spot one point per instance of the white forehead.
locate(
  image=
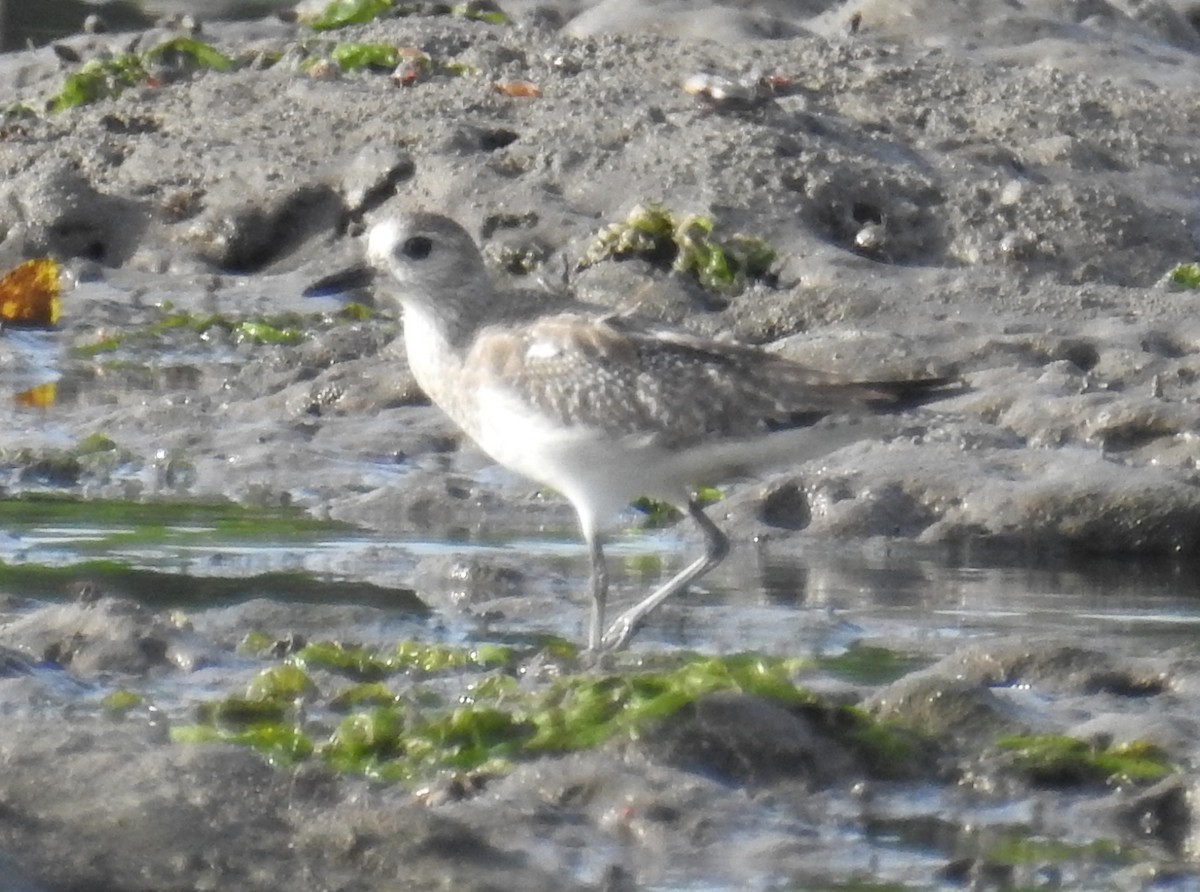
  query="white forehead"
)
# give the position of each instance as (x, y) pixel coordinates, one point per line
(381, 239)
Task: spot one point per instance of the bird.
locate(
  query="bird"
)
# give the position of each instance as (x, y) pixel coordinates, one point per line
(605, 409)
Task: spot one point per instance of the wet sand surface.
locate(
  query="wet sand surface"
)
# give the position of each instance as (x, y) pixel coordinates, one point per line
(209, 477)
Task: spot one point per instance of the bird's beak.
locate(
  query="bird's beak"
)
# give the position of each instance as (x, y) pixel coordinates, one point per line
(352, 284)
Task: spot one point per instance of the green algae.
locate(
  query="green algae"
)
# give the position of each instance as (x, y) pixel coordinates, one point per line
(1056, 760)
(366, 738)
(94, 443)
(433, 658)
(244, 712)
(864, 664)
(279, 743)
(353, 56)
(1185, 275)
(106, 528)
(359, 663)
(125, 522)
(370, 693)
(256, 332)
(685, 244)
(480, 12)
(164, 589)
(886, 750)
(342, 13)
(1016, 849)
(365, 664)
(99, 79)
(661, 514)
(121, 701)
(287, 681)
(285, 329)
(256, 643)
(397, 723)
(355, 312)
(198, 53)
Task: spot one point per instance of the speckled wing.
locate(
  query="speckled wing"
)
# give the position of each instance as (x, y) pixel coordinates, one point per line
(669, 388)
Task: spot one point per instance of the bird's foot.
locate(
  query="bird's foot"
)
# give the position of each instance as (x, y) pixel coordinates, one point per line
(617, 636)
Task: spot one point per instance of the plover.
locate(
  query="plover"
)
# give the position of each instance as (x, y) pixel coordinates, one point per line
(604, 410)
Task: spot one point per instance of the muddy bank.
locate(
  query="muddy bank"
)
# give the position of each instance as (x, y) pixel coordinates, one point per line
(1001, 193)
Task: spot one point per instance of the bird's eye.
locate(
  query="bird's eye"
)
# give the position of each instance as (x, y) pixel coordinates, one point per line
(417, 248)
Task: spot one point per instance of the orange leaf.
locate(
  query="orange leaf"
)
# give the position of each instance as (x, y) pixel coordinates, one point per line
(511, 87)
(40, 397)
(29, 293)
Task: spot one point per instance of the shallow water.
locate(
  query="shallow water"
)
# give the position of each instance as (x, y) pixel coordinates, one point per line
(813, 596)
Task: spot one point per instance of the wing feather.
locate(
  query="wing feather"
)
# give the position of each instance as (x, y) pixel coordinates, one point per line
(668, 387)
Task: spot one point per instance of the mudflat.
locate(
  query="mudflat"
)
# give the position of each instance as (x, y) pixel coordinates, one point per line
(1002, 193)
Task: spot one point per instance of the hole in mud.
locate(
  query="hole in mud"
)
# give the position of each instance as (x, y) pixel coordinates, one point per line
(864, 213)
(1164, 344)
(387, 185)
(1083, 354)
(491, 140)
(786, 507)
(79, 240)
(264, 236)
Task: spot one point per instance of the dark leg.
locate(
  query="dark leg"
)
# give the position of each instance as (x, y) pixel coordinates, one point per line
(716, 546)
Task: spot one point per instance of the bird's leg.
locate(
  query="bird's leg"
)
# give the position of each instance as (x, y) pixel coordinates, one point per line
(599, 590)
(716, 546)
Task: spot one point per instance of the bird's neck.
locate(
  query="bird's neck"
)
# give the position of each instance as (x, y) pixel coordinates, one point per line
(436, 348)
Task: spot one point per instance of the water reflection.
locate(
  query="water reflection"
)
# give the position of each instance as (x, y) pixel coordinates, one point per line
(29, 367)
(813, 595)
(807, 596)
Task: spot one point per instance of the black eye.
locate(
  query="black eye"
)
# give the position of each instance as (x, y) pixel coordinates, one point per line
(418, 247)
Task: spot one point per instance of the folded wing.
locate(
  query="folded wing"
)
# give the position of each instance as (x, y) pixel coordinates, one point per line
(672, 389)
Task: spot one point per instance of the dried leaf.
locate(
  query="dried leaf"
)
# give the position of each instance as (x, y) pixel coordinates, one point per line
(29, 294)
(524, 89)
(40, 397)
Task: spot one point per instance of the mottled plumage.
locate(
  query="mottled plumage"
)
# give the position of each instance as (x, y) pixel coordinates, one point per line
(602, 409)
(673, 389)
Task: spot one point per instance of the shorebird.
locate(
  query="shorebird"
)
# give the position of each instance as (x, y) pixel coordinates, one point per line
(603, 410)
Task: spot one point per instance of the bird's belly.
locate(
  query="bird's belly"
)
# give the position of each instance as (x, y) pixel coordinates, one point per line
(598, 474)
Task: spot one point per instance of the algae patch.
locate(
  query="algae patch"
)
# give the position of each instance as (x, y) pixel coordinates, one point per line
(283, 329)
(865, 664)
(1014, 849)
(687, 245)
(415, 710)
(108, 78)
(1185, 275)
(1055, 760)
(343, 13)
(353, 56)
(58, 544)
